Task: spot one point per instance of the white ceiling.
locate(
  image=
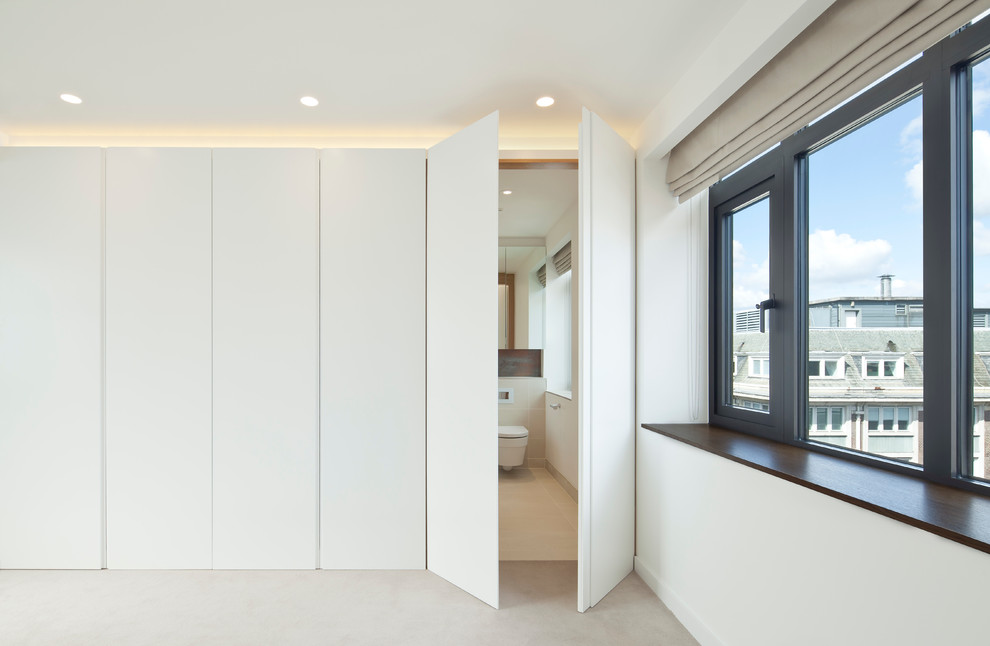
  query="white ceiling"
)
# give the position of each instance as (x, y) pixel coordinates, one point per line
(539, 197)
(380, 68)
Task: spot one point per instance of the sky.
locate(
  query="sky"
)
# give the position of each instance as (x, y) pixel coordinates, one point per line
(865, 216)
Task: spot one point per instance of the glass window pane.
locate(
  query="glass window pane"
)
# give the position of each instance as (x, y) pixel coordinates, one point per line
(836, 419)
(814, 368)
(822, 419)
(751, 284)
(903, 418)
(865, 274)
(980, 74)
(888, 419)
(831, 367)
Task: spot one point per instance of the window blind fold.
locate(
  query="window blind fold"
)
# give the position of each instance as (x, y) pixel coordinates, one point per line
(851, 45)
(562, 260)
(541, 275)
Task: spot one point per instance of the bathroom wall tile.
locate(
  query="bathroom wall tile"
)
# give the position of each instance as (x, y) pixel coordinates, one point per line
(536, 463)
(537, 422)
(511, 416)
(536, 448)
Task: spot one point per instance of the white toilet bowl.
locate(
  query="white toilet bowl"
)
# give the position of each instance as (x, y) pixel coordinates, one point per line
(512, 446)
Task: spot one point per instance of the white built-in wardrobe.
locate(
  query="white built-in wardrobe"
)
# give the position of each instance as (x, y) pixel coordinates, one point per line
(270, 358)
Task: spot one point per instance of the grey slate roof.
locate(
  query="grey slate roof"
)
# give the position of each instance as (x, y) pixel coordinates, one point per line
(853, 343)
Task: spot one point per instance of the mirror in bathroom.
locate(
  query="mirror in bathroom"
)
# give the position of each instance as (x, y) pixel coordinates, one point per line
(520, 298)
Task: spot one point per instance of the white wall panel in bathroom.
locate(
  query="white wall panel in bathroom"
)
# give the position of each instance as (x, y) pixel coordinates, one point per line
(373, 358)
(265, 358)
(51, 345)
(461, 359)
(158, 354)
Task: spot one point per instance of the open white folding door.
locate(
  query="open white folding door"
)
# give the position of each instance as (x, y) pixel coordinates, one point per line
(606, 428)
(461, 359)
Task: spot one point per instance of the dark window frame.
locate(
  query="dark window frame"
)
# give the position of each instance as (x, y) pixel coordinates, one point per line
(940, 75)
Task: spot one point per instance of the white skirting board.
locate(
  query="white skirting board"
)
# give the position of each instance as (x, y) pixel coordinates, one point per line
(698, 629)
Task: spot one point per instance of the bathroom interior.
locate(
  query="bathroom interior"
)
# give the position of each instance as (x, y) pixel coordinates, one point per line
(537, 346)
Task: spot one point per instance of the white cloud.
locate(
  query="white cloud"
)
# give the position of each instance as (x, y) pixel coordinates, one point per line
(911, 141)
(749, 281)
(981, 173)
(914, 179)
(981, 239)
(738, 254)
(840, 258)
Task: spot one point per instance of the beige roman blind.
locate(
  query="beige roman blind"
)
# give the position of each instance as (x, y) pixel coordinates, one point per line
(852, 44)
(562, 260)
(541, 274)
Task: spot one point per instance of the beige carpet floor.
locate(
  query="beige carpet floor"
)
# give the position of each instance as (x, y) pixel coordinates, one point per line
(117, 607)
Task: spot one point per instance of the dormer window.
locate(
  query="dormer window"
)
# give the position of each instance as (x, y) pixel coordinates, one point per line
(883, 367)
(759, 366)
(826, 368)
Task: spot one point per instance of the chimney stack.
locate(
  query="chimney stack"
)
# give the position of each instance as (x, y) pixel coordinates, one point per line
(885, 290)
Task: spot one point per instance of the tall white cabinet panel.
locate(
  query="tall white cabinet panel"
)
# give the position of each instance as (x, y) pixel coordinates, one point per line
(51, 358)
(606, 370)
(373, 358)
(265, 358)
(461, 359)
(158, 354)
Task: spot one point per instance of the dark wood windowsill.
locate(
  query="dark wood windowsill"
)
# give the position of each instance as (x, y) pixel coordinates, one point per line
(952, 513)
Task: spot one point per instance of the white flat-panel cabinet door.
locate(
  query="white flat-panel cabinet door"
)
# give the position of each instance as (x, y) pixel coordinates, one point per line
(265, 358)
(462, 359)
(159, 356)
(606, 360)
(373, 359)
(51, 358)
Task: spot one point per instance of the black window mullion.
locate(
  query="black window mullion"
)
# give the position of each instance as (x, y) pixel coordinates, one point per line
(791, 353)
(945, 379)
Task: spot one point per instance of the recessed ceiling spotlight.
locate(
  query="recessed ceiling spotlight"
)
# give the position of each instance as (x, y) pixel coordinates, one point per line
(309, 102)
(544, 101)
(70, 98)
(506, 192)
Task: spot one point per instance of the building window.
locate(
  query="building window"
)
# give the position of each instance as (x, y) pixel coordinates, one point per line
(883, 368)
(759, 367)
(888, 186)
(826, 368)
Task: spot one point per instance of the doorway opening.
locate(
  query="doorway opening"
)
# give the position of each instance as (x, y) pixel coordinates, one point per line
(537, 410)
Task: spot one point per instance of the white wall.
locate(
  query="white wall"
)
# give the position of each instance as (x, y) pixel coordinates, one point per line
(744, 558)
(562, 439)
(747, 559)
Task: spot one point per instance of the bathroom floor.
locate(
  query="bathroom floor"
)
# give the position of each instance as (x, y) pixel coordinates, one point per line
(537, 520)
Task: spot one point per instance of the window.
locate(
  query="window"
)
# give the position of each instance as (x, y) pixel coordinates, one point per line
(887, 368)
(830, 368)
(877, 230)
(749, 341)
(759, 367)
(557, 362)
(979, 224)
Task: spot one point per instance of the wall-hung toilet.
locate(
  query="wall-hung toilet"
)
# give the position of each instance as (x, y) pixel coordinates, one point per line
(512, 446)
